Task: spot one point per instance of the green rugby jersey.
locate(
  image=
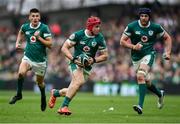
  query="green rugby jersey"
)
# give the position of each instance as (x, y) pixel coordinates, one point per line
(87, 44)
(35, 50)
(147, 36)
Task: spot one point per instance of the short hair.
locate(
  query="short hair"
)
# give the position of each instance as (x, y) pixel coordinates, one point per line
(34, 10)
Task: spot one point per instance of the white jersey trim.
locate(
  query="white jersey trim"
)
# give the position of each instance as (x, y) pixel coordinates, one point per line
(142, 25)
(88, 35)
(36, 26)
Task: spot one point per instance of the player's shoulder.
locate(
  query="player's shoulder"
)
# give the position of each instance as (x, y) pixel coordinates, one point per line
(133, 23)
(43, 25)
(155, 25)
(80, 32)
(100, 35)
(27, 24)
(77, 35)
(100, 38)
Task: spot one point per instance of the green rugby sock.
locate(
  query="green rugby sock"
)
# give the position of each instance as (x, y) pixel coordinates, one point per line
(42, 89)
(155, 90)
(142, 93)
(66, 101)
(20, 85)
(56, 93)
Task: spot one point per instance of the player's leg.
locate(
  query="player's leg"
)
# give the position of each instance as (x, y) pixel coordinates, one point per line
(40, 69)
(158, 92)
(54, 94)
(41, 85)
(141, 76)
(23, 68)
(76, 82)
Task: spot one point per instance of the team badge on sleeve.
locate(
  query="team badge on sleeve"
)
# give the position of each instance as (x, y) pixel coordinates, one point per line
(72, 36)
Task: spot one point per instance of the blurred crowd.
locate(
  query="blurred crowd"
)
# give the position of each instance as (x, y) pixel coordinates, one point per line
(118, 68)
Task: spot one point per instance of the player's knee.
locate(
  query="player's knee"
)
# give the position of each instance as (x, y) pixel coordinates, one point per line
(140, 77)
(40, 84)
(21, 74)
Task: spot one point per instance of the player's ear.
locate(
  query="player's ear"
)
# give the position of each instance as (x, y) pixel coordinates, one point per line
(29, 17)
(39, 17)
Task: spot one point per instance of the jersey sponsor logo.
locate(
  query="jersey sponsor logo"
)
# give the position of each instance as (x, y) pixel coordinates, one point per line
(33, 39)
(86, 49)
(94, 44)
(144, 38)
(137, 32)
(150, 32)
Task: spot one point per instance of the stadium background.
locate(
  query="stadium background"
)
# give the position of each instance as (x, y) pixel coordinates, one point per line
(116, 76)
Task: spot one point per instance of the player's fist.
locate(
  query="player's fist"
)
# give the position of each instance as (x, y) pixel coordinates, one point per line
(77, 61)
(18, 47)
(90, 61)
(138, 46)
(37, 33)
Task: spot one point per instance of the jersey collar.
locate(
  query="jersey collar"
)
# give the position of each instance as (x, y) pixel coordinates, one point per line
(36, 26)
(142, 25)
(85, 31)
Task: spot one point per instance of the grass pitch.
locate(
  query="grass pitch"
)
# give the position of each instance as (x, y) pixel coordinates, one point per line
(87, 108)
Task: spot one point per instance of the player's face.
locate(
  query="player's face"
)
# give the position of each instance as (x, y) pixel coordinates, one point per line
(34, 18)
(144, 18)
(96, 29)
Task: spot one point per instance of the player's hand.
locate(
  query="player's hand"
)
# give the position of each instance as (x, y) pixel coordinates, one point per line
(138, 46)
(19, 48)
(37, 33)
(90, 61)
(77, 61)
(166, 56)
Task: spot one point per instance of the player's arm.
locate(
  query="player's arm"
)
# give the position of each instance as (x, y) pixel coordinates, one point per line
(68, 44)
(124, 41)
(66, 49)
(168, 45)
(102, 57)
(19, 40)
(47, 41)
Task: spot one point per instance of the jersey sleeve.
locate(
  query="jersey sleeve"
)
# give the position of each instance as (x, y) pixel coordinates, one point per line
(73, 38)
(127, 31)
(22, 28)
(160, 31)
(102, 44)
(46, 32)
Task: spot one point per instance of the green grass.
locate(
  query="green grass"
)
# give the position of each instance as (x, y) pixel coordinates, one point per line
(87, 108)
